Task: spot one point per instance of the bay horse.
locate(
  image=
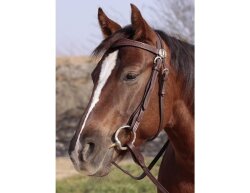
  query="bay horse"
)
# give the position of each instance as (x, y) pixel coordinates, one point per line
(128, 82)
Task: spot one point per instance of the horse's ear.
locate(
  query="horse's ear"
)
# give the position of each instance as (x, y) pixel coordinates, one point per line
(107, 25)
(142, 29)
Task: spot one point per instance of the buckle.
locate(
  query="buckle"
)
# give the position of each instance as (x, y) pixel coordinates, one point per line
(156, 58)
(161, 55)
(165, 71)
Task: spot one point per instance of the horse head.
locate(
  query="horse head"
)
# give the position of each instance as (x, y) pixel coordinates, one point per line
(120, 80)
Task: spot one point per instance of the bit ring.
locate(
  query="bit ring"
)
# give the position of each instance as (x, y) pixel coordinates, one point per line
(117, 140)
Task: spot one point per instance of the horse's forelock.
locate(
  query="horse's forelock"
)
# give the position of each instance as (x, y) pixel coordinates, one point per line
(106, 44)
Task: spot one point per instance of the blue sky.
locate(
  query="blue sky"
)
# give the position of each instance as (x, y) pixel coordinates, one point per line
(77, 29)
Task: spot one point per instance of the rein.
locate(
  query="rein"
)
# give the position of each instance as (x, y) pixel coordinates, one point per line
(159, 66)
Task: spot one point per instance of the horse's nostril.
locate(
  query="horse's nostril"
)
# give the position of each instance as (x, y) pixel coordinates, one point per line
(88, 149)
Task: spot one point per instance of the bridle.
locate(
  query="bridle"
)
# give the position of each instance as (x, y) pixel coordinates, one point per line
(159, 66)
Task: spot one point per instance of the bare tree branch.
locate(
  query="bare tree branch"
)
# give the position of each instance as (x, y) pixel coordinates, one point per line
(174, 17)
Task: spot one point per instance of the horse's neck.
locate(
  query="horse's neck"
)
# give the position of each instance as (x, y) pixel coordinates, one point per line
(181, 134)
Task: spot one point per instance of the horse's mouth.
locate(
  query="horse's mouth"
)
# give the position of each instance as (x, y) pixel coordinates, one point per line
(101, 163)
(106, 164)
(98, 167)
(104, 171)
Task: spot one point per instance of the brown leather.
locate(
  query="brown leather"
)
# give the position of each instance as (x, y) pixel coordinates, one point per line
(133, 43)
(150, 166)
(159, 67)
(139, 159)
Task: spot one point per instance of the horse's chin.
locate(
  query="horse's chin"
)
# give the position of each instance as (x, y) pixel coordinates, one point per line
(101, 165)
(105, 167)
(104, 171)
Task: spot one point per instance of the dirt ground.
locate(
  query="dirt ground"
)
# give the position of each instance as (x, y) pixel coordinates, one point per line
(64, 168)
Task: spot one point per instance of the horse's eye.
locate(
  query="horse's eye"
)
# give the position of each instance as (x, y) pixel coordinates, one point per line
(131, 76)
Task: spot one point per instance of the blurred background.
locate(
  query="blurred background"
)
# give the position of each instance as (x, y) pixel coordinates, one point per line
(77, 34)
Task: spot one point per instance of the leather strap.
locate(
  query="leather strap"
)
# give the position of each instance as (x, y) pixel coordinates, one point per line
(162, 91)
(150, 166)
(127, 42)
(146, 98)
(139, 159)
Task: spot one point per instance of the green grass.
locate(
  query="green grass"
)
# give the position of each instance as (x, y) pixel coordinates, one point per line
(115, 182)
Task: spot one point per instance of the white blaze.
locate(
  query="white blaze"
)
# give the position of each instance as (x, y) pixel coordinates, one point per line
(106, 69)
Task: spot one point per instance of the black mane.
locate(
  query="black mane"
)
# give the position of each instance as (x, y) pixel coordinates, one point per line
(182, 57)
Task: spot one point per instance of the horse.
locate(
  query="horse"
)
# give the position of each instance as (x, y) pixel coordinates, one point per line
(127, 87)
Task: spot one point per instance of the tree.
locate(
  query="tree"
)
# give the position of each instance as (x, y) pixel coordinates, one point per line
(174, 17)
